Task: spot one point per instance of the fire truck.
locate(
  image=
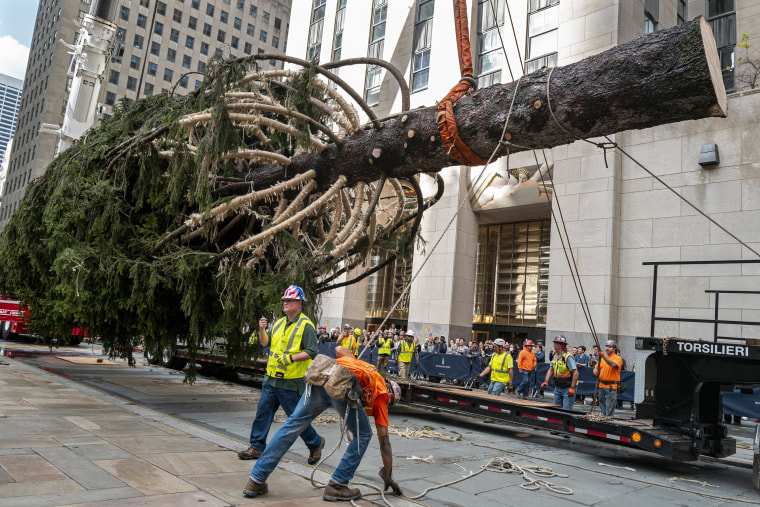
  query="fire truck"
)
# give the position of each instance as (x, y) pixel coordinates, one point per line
(14, 317)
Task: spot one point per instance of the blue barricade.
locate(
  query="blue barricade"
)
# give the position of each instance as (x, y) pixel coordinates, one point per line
(744, 405)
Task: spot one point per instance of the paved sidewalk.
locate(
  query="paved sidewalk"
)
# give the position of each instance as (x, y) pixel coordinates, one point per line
(62, 443)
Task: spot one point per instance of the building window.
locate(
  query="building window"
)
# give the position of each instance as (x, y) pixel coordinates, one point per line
(159, 28)
(161, 8)
(131, 83)
(201, 66)
(171, 55)
(681, 11)
(152, 68)
(144, 3)
(224, 17)
(250, 29)
(265, 17)
(651, 15)
(206, 29)
(113, 77)
(168, 75)
(192, 23)
(248, 48)
(187, 61)
(219, 53)
(110, 98)
(340, 18)
(177, 16)
(189, 42)
(511, 274)
(240, 4)
(722, 17)
(376, 42)
(315, 29)
(278, 21)
(183, 82)
(139, 41)
(174, 35)
(124, 14)
(204, 48)
(423, 36)
(155, 48)
(237, 24)
(275, 42)
(141, 20)
(234, 42)
(195, 4)
(386, 285)
(134, 62)
(253, 11)
(148, 89)
(221, 35)
(543, 23)
(209, 10)
(262, 35)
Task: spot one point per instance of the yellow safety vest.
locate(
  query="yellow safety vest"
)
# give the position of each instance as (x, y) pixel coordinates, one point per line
(286, 340)
(405, 351)
(385, 346)
(500, 366)
(353, 343)
(562, 374)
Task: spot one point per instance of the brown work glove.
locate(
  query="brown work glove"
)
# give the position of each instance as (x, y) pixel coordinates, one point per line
(389, 483)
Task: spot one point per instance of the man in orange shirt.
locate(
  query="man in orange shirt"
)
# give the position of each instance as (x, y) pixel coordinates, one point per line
(608, 371)
(526, 365)
(379, 394)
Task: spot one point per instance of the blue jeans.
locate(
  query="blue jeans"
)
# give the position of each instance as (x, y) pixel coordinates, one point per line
(271, 399)
(307, 410)
(607, 400)
(496, 388)
(524, 386)
(562, 399)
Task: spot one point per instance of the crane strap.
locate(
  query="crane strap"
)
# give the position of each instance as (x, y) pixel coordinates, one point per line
(447, 124)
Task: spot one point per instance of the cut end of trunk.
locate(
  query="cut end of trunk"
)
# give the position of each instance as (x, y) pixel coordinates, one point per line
(716, 72)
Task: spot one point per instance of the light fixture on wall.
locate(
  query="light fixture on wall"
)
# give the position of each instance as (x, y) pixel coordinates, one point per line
(709, 155)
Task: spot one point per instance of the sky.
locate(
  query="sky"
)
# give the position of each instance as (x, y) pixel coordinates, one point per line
(16, 28)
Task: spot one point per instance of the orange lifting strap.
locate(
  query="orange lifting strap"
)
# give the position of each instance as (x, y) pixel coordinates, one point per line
(447, 124)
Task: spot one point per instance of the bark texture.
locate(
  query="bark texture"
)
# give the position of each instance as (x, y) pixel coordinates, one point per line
(663, 77)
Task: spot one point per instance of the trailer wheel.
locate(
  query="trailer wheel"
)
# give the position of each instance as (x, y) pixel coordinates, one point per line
(6, 331)
(151, 354)
(169, 360)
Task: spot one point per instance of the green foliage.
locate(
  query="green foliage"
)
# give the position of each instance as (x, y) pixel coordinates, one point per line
(80, 249)
(748, 67)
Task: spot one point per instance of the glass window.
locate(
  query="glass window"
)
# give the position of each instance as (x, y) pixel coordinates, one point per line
(224, 17)
(141, 20)
(234, 42)
(113, 77)
(195, 4)
(174, 35)
(177, 16)
(262, 36)
(209, 9)
(148, 89)
(192, 23)
(201, 66)
(155, 48)
(183, 81)
(253, 11)
(682, 11)
(275, 41)
(207, 29)
(134, 62)
(187, 61)
(152, 68)
(124, 13)
(144, 3)
(240, 4)
(237, 23)
(189, 42)
(110, 98)
(221, 35)
(168, 75)
(204, 48)
(139, 41)
(265, 17)
(161, 8)
(131, 83)
(423, 35)
(159, 28)
(171, 55)
(248, 48)
(277, 23)
(250, 29)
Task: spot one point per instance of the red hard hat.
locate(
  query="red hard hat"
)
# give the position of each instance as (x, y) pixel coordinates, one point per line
(528, 343)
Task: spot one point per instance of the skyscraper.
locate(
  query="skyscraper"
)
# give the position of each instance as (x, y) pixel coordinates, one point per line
(160, 46)
(10, 99)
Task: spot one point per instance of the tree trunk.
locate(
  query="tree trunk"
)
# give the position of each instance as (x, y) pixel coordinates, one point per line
(664, 77)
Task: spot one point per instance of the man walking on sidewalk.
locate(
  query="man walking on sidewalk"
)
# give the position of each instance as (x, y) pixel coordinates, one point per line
(293, 346)
(379, 395)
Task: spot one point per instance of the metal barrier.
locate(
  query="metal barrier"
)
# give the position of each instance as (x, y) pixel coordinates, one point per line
(714, 321)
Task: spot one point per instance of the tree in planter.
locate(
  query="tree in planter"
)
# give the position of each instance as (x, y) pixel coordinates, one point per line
(185, 217)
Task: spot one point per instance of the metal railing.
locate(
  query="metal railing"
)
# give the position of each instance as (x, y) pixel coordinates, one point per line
(716, 321)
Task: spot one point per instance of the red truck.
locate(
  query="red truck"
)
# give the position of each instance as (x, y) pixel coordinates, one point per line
(14, 316)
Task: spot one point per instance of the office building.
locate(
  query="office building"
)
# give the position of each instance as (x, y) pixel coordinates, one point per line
(10, 99)
(501, 270)
(160, 47)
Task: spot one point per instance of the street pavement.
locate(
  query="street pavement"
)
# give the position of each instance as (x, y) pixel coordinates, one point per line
(75, 431)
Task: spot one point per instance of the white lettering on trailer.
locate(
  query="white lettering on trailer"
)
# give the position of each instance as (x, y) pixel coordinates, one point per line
(716, 349)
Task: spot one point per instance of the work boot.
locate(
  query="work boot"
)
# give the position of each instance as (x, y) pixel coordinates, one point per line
(250, 453)
(335, 492)
(316, 454)
(255, 489)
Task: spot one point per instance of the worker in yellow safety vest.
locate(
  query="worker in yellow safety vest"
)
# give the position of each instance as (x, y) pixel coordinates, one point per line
(500, 368)
(350, 339)
(565, 374)
(384, 345)
(405, 354)
(292, 345)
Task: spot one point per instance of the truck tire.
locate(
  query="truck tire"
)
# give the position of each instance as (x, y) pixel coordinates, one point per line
(152, 354)
(6, 329)
(170, 360)
(74, 340)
